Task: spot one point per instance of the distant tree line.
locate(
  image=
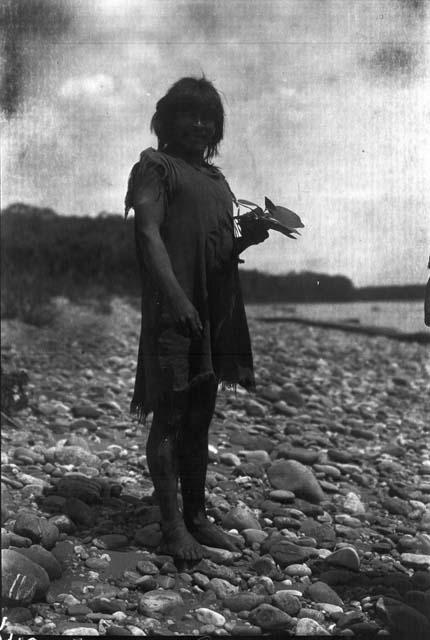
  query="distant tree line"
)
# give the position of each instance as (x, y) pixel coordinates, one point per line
(44, 255)
(395, 292)
(305, 286)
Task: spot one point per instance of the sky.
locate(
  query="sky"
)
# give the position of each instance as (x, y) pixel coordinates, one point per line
(327, 113)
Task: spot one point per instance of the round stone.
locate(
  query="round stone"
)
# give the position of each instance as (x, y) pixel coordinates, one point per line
(286, 602)
(23, 581)
(347, 558)
(207, 616)
(254, 536)
(44, 559)
(240, 517)
(159, 602)
(294, 476)
(309, 627)
(270, 618)
(298, 570)
(321, 592)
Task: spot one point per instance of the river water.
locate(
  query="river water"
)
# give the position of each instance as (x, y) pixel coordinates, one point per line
(405, 316)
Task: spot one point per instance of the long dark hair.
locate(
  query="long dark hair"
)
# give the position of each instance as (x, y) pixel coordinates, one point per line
(188, 93)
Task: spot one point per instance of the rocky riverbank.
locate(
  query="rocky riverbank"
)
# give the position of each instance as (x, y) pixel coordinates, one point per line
(325, 473)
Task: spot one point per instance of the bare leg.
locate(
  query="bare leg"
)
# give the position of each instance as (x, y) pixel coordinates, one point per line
(162, 456)
(193, 462)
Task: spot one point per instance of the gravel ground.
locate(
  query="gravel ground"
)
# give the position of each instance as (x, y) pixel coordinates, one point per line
(324, 472)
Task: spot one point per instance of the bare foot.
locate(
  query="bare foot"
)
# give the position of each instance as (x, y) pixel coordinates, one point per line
(212, 536)
(180, 544)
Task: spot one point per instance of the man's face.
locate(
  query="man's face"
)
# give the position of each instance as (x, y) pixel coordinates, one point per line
(193, 130)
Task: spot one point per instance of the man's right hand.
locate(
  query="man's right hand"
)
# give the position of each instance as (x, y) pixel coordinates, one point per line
(185, 317)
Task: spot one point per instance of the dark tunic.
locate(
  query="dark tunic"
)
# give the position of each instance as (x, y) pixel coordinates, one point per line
(198, 233)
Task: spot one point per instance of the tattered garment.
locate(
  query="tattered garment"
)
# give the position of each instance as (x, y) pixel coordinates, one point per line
(198, 233)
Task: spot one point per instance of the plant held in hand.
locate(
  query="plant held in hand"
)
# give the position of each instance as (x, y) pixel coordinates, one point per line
(272, 217)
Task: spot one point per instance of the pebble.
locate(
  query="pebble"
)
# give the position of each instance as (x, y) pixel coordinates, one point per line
(291, 395)
(282, 495)
(266, 566)
(416, 560)
(254, 408)
(245, 601)
(222, 588)
(159, 602)
(347, 520)
(353, 504)
(146, 567)
(79, 512)
(305, 456)
(240, 629)
(77, 485)
(230, 459)
(78, 610)
(321, 592)
(396, 506)
(18, 629)
(80, 631)
(347, 557)
(254, 536)
(63, 523)
(332, 610)
(207, 616)
(97, 564)
(258, 456)
(73, 455)
(314, 614)
(328, 470)
(323, 534)
(270, 618)
(101, 604)
(298, 570)
(262, 585)
(286, 602)
(39, 530)
(294, 476)
(240, 517)
(111, 541)
(309, 627)
(165, 582)
(286, 553)
(86, 411)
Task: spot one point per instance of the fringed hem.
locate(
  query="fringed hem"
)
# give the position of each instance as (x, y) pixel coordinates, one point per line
(138, 410)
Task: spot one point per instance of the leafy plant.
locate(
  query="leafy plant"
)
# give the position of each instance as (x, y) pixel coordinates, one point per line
(273, 216)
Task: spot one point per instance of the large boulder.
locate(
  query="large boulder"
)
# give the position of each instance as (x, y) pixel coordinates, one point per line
(23, 581)
(43, 558)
